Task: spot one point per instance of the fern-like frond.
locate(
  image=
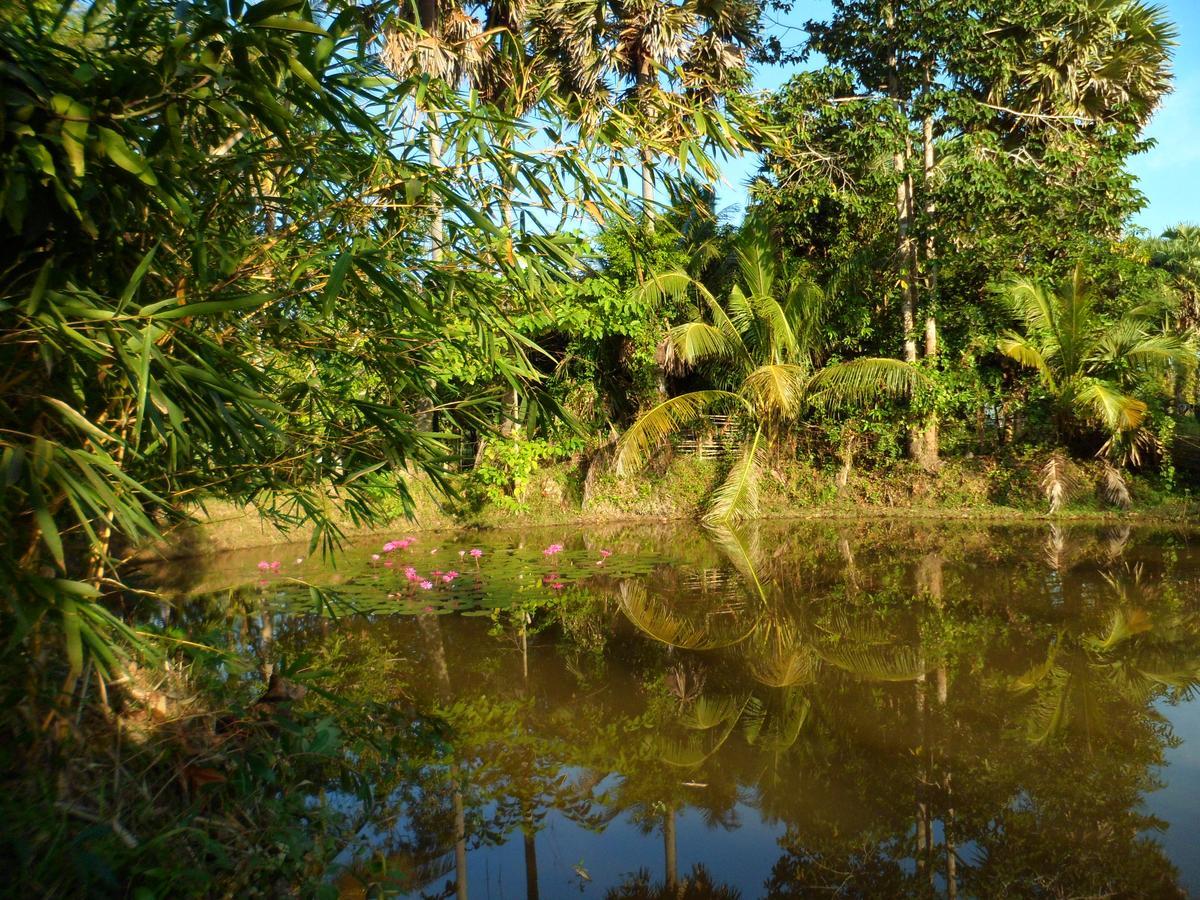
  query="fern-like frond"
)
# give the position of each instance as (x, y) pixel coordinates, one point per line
(737, 498)
(649, 431)
(864, 380)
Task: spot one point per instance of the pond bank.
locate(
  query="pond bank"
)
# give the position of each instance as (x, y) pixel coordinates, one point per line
(981, 489)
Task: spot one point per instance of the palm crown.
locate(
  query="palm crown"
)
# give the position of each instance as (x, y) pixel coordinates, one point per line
(760, 350)
(1087, 364)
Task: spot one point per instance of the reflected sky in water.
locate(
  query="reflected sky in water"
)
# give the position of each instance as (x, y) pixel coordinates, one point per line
(792, 710)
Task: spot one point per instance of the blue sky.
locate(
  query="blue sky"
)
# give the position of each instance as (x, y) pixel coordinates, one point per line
(1169, 174)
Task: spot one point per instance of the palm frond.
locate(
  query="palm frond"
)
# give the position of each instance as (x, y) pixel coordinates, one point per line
(737, 498)
(776, 391)
(1023, 351)
(1056, 481)
(1113, 488)
(655, 426)
(864, 380)
(666, 286)
(694, 343)
(1028, 301)
(781, 341)
(1118, 412)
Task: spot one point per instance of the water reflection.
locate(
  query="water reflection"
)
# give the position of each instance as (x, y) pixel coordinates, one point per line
(796, 710)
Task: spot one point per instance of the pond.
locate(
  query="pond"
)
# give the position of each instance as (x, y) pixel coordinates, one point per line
(795, 709)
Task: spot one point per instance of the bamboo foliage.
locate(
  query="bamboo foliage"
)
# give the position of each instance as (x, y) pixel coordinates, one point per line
(213, 285)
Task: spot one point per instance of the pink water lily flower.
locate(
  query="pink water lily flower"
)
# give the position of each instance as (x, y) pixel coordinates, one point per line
(449, 577)
(410, 573)
(275, 566)
(552, 549)
(557, 586)
(426, 585)
(606, 553)
(263, 566)
(476, 552)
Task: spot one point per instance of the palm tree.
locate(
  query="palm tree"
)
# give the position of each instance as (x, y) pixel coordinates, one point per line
(760, 350)
(1088, 364)
(442, 42)
(624, 57)
(1106, 60)
(1177, 254)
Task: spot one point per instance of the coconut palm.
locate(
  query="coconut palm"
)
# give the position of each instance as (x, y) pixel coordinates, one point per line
(760, 350)
(1177, 254)
(1087, 363)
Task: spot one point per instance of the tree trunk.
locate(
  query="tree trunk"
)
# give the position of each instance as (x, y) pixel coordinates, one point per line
(432, 634)
(648, 188)
(928, 457)
(670, 860)
(436, 236)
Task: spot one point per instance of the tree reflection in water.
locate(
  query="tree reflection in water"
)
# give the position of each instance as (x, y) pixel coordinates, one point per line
(909, 711)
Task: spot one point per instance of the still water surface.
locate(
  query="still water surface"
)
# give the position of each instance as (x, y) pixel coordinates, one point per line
(793, 710)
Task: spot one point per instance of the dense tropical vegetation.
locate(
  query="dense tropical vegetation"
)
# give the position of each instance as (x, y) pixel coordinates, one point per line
(320, 259)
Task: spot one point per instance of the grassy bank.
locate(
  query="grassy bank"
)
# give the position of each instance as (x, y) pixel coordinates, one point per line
(979, 488)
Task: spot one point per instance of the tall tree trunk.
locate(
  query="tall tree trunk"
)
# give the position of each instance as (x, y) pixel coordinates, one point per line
(670, 859)
(928, 456)
(431, 632)
(648, 188)
(905, 248)
(436, 230)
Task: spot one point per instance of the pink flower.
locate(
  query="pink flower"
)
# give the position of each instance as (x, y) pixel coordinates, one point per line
(410, 573)
(476, 552)
(390, 546)
(426, 585)
(552, 549)
(557, 586)
(436, 572)
(388, 563)
(462, 553)
(429, 609)
(447, 578)
(374, 557)
(263, 566)
(275, 566)
(606, 553)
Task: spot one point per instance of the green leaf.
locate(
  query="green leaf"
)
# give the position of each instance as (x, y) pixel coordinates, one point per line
(170, 309)
(76, 118)
(120, 152)
(74, 644)
(288, 23)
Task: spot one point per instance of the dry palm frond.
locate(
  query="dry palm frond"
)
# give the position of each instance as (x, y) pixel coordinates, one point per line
(1112, 487)
(1056, 481)
(1056, 547)
(1115, 541)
